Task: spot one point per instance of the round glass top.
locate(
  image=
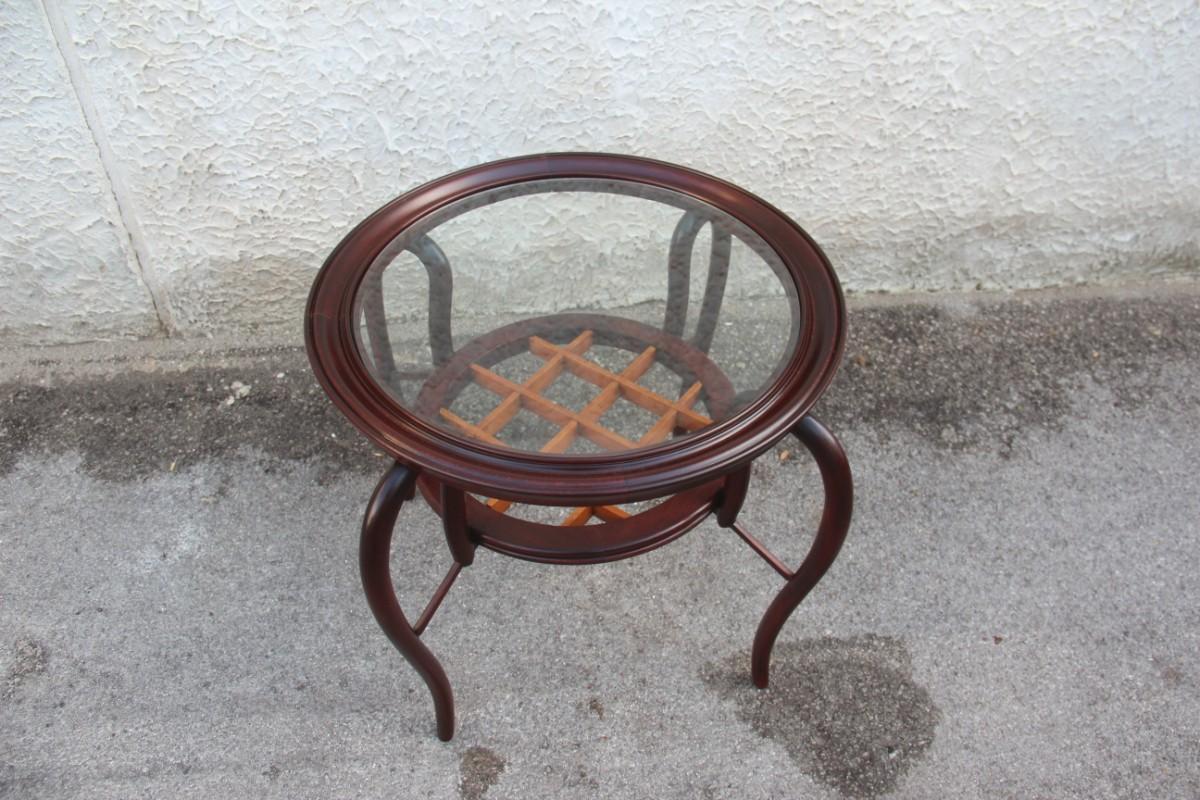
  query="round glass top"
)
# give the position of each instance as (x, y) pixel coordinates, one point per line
(575, 328)
(576, 316)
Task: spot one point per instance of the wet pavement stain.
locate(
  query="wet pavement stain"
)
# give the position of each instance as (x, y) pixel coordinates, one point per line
(480, 769)
(980, 375)
(976, 376)
(138, 423)
(846, 710)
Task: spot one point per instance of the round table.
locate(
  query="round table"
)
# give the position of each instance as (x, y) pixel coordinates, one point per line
(516, 336)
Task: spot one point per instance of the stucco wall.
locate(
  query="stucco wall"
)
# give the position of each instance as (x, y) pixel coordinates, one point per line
(67, 269)
(195, 166)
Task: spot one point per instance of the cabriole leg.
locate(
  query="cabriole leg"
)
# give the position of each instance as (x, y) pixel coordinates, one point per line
(375, 550)
(835, 521)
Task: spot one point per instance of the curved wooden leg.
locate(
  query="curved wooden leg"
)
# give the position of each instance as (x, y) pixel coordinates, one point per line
(679, 271)
(377, 328)
(835, 521)
(375, 550)
(441, 296)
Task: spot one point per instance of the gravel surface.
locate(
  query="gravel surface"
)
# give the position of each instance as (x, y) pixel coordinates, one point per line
(1014, 614)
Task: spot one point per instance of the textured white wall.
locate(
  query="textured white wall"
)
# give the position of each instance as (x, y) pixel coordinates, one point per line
(67, 268)
(926, 145)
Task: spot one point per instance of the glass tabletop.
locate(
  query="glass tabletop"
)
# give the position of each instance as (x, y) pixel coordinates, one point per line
(576, 316)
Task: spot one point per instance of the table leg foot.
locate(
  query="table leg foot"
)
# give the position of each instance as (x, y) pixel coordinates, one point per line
(835, 521)
(375, 549)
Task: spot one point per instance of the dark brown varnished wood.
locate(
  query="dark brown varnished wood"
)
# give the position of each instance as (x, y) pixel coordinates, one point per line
(495, 346)
(733, 496)
(454, 522)
(588, 544)
(375, 551)
(706, 471)
(835, 522)
(592, 479)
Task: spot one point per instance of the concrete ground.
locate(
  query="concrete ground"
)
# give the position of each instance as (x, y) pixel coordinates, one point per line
(1015, 612)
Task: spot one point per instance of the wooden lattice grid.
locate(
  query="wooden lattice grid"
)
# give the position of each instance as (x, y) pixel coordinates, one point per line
(571, 357)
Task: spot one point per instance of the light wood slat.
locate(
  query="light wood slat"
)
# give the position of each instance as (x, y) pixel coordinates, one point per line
(560, 441)
(609, 394)
(580, 516)
(635, 393)
(548, 409)
(596, 408)
(501, 415)
(689, 398)
(610, 513)
(577, 517)
(557, 444)
(468, 428)
(581, 343)
(546, 374)
(637, 368)
(601, 402)
(482, 435)
(666, 423)
(660, 429)
(515, 396)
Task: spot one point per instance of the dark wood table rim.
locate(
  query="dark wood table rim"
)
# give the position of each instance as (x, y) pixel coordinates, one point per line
(591, 479)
